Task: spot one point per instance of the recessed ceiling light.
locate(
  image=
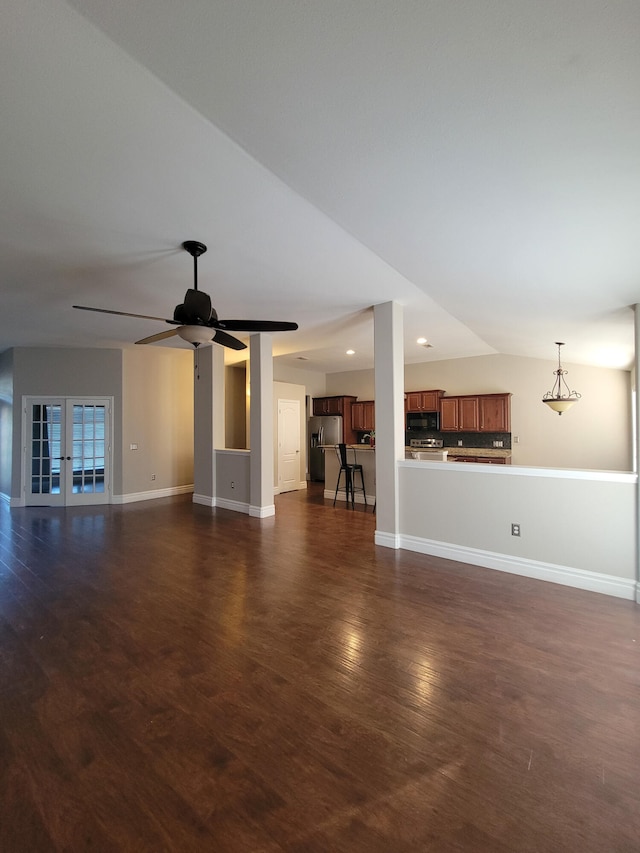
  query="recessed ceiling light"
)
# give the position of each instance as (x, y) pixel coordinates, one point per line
(351, 352)
(421, 341)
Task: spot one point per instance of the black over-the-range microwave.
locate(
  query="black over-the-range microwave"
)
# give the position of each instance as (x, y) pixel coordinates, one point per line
(423, 420)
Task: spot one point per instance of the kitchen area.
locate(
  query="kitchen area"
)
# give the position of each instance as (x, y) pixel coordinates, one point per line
(470, 428)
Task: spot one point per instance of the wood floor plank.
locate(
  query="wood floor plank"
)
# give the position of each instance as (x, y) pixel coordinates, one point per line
(179, 678)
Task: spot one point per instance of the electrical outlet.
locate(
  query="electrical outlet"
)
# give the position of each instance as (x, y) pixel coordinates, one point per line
(233, 485)
(515, 530)
(133, 447)
(516, 439)
(459, 444)
(498, 443)
(153, 476)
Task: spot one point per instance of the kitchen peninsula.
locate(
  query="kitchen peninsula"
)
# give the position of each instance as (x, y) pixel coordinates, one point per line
(364, 455)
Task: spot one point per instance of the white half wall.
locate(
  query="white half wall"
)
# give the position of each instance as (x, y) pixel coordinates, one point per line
(577, 527)
(233, 480)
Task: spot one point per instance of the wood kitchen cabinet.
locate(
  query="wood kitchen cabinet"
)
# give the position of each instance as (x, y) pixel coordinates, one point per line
(476, 413)
(495, 412)
(338, 406)
(333, 406)
(459, 414)
(422, 401)
(363, 416)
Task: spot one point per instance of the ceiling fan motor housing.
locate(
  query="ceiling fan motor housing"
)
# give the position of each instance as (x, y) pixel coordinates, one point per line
(196, 309)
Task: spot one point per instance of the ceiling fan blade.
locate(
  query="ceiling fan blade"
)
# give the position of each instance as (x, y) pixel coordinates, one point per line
(254, 325)
(161, 336)
(228, 341)
(124, 314)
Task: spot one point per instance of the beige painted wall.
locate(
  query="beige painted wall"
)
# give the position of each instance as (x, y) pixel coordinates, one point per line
(313, 382)
(595, 434)
(157, 415)
(235, 406)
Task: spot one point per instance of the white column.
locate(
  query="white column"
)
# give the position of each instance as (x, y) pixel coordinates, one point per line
(389, 385)
(208, 420)
(636, 439)
(261, 427)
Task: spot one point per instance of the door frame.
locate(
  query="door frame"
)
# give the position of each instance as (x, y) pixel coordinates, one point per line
(106, 497)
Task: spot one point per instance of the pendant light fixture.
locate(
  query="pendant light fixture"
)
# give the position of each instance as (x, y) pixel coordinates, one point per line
(560, 398)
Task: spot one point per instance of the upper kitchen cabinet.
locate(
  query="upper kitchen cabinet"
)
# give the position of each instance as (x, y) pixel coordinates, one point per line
(476, 413)
(495, 412)
(333, 406)
(363, 416)
(422, 401)
(459, 414)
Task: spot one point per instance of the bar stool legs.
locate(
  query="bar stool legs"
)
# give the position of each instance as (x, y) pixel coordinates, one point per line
(350, 470)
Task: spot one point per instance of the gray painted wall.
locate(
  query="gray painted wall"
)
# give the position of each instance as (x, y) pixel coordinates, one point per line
(66, 372)
(578, 520)
(6, 421)
(152, 391)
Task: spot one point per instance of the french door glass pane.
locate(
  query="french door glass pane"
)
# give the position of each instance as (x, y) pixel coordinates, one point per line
(88, 448)
(45, 449)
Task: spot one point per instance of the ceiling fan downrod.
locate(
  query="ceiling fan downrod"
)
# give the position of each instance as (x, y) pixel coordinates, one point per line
(195, 249)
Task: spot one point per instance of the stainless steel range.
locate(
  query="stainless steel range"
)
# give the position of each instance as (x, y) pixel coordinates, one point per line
(426, 442)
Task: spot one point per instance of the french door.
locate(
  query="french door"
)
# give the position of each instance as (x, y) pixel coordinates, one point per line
(67, 451)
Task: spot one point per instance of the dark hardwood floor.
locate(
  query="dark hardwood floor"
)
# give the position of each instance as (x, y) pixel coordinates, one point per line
(174, 678)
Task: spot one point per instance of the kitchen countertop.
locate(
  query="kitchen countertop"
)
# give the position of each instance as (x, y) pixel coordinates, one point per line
(496, 452)
(349, 447)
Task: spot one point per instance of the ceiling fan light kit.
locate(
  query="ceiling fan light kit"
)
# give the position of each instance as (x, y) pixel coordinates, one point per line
(195, 335)
(560, 398)
(197, 320)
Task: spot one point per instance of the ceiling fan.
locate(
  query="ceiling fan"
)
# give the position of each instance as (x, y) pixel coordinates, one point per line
(196, 320)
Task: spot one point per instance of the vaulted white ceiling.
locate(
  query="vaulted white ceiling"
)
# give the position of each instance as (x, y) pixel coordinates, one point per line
(476, 161)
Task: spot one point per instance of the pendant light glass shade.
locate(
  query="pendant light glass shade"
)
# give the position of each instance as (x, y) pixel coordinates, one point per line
(560, 398)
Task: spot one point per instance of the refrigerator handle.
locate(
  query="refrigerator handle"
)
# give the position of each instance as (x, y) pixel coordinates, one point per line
(321, 435)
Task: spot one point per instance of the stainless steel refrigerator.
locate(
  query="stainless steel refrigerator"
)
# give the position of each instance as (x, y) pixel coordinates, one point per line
(322, 430)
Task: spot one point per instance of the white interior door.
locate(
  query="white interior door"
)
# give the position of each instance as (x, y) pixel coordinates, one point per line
(67, 451)
(288, 445)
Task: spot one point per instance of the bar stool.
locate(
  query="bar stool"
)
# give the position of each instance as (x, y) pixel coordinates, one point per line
(349, 469)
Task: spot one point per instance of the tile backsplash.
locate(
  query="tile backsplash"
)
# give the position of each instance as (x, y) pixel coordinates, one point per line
(468, 439)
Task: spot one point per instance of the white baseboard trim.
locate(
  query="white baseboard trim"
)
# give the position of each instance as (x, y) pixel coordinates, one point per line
(203, 500)
(133, 497)
(234, 506)
(638, 593)
(262, 511)
(565, 575)
(387, 540)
